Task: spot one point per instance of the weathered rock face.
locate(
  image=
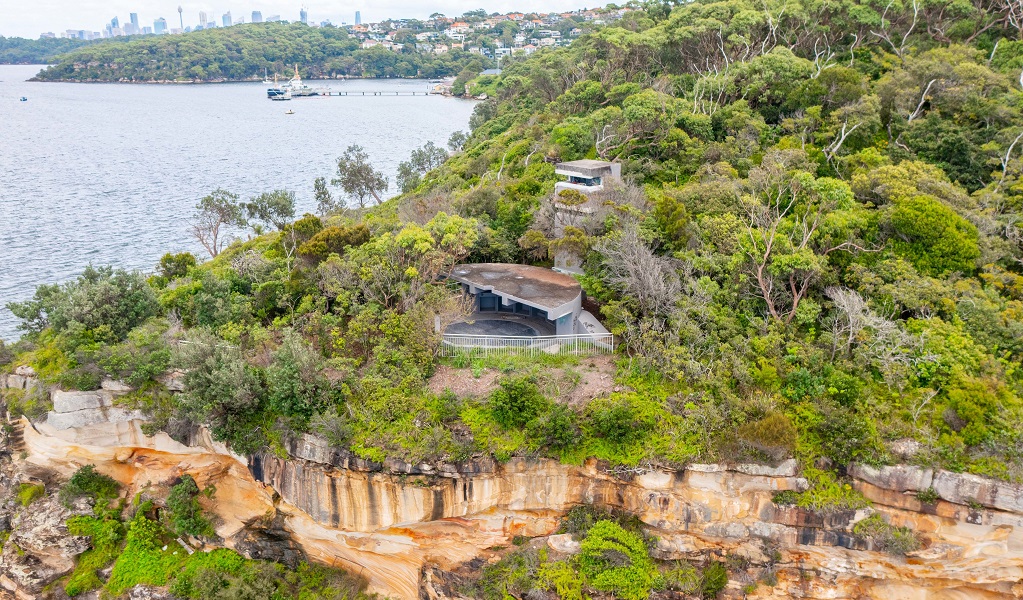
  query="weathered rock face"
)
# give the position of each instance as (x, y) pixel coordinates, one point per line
(40, 550)
(397, 523)
(707, 508)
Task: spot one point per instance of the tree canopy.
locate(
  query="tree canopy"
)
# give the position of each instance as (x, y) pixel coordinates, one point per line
(243, 52)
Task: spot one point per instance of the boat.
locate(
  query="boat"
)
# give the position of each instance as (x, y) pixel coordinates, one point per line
(24, 99)
(298, 88)
(284, 96)
(275, 92)
(266, 79)
(289, 112)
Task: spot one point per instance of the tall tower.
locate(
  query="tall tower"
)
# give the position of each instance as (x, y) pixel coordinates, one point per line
(181, 19)
(202, 18)
(358, 18)
(303, 15)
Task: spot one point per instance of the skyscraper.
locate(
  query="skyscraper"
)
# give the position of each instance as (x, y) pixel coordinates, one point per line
(160, 26)
(303, 15)
(202, 18)
(115, 22)
(181, 19)
(226, 19)
(358, 18)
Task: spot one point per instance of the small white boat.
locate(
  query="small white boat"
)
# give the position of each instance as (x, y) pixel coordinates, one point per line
(289, 112)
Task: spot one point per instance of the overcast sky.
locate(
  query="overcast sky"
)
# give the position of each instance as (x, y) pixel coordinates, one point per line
(30, 18)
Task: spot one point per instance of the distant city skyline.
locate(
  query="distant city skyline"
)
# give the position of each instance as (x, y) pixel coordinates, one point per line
(29, 20)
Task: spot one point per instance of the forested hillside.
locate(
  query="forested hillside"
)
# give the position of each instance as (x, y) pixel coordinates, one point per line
(817, 254)
(244, 52)
(21, 51)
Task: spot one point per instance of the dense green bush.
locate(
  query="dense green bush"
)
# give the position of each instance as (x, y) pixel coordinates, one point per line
(184, 514)
(222, 390)
(715, 578)
(296, 386)
(933, 237)
(103, 304)
(87, 482)
(615, 560)
(517, 401)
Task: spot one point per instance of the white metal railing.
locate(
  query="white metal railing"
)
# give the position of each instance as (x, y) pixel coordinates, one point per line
(455, 343)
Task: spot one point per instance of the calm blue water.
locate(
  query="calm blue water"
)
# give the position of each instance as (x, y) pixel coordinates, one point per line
(109, 174)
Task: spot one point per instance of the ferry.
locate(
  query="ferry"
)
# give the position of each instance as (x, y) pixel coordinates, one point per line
(286, 95)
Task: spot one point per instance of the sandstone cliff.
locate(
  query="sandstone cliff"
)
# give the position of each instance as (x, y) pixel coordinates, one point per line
(393, 521)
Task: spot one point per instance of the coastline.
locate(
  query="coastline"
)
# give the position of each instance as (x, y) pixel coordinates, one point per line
(216, 81)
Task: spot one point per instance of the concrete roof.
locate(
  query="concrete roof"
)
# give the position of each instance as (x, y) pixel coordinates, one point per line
(587, 167)
(534, 286)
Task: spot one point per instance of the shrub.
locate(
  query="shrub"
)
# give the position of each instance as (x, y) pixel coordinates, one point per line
(517, 401)
(928, 496)
(194, 578)
(223, 391)
(614, 560)
(296, 385)
(715, 578)
(561, 578)
(933, 237)
(894, 540)
(185, 514)
(87, 482)
(173, 266)
(620, 419)
(786, 498)
(334, 240)
(774, 435)
(828, 494)
(683, 578)
(515, 574)
(30, 492)
(556, 428)
(333, 425)
(103, 303)
(143, 357)
(34, 403)
(580, 519)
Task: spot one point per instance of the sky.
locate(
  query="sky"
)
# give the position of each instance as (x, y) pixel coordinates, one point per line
(19, 18)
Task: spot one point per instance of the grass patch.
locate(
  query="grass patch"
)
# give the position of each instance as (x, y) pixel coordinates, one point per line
(30, 492)
(105, 533)
(897, 541)
(828, 494)
(143, 559)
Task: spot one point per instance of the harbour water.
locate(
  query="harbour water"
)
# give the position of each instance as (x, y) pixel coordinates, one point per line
(110, 173)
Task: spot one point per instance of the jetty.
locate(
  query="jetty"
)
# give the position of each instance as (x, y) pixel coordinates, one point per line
(368, 93)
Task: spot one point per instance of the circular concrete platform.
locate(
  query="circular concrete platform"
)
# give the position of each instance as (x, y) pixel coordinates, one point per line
(492, 327)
